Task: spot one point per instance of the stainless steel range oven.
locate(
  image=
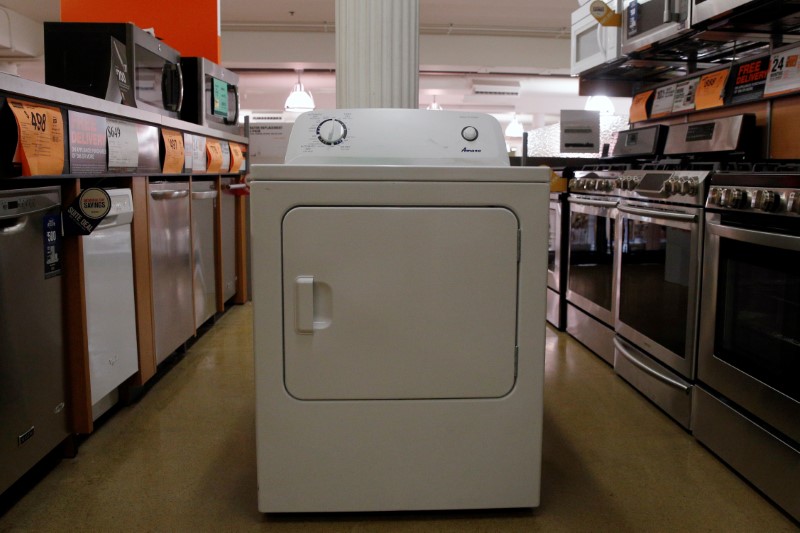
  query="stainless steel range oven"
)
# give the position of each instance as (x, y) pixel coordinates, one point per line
(557, 261)
(590, 263)
(747, 407)
(659, 247)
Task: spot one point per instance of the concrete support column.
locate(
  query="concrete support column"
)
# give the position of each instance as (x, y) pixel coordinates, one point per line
(377, 53)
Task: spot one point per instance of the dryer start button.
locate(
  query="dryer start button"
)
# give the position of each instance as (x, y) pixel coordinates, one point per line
(470, 133)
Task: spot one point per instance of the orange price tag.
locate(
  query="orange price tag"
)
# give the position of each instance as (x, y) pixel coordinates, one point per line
(638, 111)
(710, 91)
(214, 151)
(604, 14)
(41, 138)
(173, 151)
(236, 157)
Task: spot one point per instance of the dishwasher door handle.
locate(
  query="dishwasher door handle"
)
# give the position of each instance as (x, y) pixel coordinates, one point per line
(204, 195)
(168, 195)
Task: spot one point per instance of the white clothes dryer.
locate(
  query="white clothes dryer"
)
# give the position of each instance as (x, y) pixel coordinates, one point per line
(399, 274)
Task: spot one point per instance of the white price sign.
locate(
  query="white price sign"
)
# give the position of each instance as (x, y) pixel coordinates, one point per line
(665, 98)
(784, 73)
(684, 95)
(123, 145)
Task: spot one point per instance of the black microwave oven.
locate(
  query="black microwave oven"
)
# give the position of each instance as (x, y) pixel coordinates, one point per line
(118, 62)
(211, 96)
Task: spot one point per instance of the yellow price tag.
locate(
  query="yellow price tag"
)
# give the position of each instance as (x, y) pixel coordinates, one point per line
(173, 151)
(41, 138)
(711, 90)
(604, 14)
(236, 157)
(214, 151)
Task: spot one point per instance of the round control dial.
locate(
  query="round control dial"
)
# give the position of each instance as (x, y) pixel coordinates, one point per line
(769, 201)
(331, 131)
(470, 133)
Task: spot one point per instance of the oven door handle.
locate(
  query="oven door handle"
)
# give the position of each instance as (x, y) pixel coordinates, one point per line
(620, 346)
(594, 203)
(666, 215)
(764, 238)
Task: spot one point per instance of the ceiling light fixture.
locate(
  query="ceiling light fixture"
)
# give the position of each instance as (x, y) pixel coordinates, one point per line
(603, 104)
(435, 106)
(299, 100)
(514, 128)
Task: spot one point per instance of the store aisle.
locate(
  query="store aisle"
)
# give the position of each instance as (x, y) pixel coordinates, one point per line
(183, 459)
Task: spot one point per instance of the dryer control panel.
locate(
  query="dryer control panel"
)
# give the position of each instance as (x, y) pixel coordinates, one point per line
(396, 137)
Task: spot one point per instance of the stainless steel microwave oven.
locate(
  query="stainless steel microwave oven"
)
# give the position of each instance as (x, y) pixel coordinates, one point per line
(703, 10)
(118, 62)
(647, 22)
(591, 43)
(211, 97)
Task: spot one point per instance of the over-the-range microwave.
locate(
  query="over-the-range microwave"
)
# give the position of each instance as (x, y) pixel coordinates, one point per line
(591, 43)
(647, 22)
(115, 61)
(211, 97)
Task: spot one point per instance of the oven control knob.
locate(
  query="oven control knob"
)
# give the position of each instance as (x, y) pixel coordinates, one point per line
(670, 186)
(714, 196)
(793, 205)
(608, 185)
(769, 201)
(739, 199)
(694, 185)
(686, 186)
(590, 184)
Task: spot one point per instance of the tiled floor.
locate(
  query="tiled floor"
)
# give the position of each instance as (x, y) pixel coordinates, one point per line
(183, 459)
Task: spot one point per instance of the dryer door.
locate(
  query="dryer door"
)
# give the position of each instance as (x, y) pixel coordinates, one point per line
(400, 302)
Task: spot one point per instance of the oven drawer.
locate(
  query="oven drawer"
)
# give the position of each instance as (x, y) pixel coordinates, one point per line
(764, 459)
(665, 388)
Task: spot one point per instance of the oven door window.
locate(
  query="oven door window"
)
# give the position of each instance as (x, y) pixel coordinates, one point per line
(758, 313)
(591, 257)
(655, 281)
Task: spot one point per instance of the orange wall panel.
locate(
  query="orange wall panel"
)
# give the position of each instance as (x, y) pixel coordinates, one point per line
(189, 27)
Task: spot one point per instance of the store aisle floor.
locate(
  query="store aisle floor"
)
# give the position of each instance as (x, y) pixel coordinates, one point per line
(183, 459)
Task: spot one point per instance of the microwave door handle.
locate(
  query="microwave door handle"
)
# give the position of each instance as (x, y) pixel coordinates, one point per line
(600, 43)
(180, 85)
(236, 113)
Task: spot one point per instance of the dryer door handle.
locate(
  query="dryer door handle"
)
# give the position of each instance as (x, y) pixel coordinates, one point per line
(304, 304)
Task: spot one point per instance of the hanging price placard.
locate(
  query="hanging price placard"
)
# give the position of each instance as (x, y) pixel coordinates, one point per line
(684, 95)
(711, 90)
(214, 156)
(784, 73)
(226, 157)
(199, 157)
(236, 157)
(123, 146)
(639, 106)
(662, 105)
(41, 138)
(173, 151)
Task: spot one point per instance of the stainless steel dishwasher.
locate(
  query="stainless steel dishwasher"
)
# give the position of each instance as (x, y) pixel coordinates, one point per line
(32, 368)
(171, 265)
(204, 200)
(228, 229)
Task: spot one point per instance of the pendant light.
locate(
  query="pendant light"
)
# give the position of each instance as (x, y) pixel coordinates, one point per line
(514, 128)
(435, 106)
(299, 100)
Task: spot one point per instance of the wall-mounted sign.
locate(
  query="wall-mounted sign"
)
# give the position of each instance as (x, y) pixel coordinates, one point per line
(87, 143)
(580, 131)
